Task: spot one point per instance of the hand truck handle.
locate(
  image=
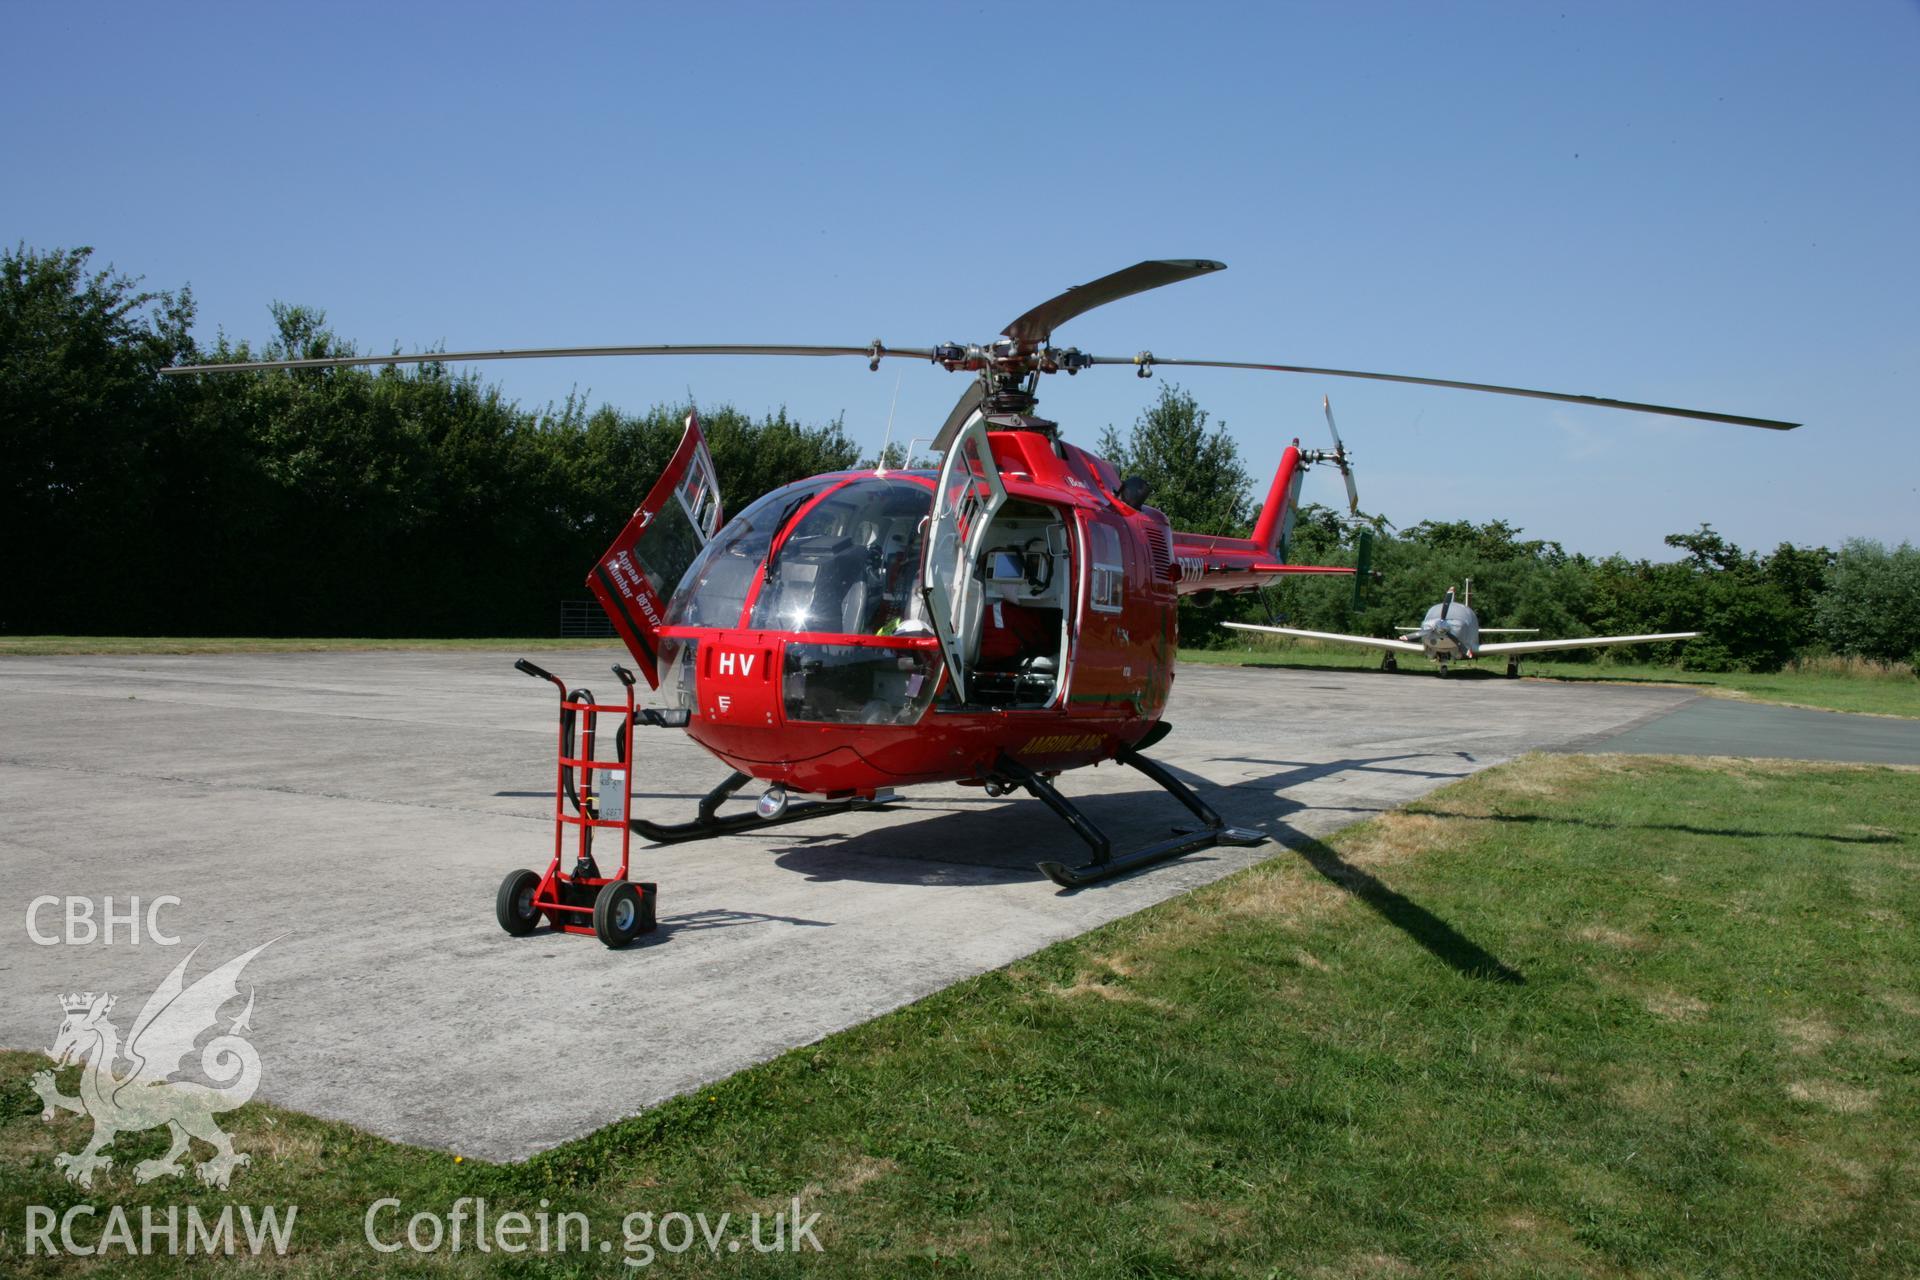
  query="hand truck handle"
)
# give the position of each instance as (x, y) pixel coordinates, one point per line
(626, 676)
(539, 673)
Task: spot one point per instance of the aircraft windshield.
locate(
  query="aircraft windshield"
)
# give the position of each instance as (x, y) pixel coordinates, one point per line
(850, 565)
(714, 588)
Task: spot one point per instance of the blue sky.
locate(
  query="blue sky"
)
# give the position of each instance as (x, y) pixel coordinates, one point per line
(1711, 205)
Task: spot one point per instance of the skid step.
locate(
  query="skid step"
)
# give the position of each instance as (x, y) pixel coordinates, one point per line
(1106, 864)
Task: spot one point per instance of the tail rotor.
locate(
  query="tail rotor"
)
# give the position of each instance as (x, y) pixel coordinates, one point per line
(1363, 524)
(1339, 459)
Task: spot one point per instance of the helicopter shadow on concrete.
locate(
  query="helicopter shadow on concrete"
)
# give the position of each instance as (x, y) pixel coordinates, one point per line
(1000, 841)
(991, 841)
(1303, 771)
(1297, 773)
(1000, 844)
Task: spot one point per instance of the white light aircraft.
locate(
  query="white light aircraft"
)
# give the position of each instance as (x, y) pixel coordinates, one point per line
(1451, 633)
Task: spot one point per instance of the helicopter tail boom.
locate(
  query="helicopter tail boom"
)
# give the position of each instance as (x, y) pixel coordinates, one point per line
(1207, 563)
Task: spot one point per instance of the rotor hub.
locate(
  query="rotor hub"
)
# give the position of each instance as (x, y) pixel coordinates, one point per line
(1009, 356)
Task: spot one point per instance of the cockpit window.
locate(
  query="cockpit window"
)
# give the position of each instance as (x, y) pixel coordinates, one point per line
(714, 588)
(849, 566)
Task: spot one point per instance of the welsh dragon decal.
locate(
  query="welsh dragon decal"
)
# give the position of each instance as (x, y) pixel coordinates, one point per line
(145, 1096)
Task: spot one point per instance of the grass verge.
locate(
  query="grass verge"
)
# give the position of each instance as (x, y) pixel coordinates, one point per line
(1825, 686)
(1573, 1016)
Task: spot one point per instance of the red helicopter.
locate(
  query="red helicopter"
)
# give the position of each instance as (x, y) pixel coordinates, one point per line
(998, 621)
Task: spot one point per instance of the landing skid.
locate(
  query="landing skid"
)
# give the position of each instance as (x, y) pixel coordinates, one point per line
(1106, 864)
(708, 823)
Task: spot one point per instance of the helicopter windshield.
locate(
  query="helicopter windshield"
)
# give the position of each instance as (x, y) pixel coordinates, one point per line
(837, 560)
(714, 588)
(849, 566)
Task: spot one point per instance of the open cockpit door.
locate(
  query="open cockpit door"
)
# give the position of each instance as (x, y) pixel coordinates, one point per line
(965, 500)
(635, 578)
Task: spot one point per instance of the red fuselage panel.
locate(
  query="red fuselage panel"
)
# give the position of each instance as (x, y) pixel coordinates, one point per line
(744, 699)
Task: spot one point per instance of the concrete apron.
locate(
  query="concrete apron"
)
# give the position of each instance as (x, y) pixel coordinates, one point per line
(361, 809)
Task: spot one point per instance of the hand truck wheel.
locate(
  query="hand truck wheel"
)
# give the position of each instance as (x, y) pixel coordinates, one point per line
(617, 913)
(513, 905)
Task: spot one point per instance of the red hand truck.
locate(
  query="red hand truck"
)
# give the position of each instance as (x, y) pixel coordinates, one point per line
(589, 795)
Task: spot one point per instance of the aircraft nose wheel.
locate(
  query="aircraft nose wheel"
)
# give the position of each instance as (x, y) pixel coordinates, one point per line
(513, 906)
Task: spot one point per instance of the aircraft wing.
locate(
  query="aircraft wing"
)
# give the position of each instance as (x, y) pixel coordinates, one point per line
(1370, 642)
(1587, 642)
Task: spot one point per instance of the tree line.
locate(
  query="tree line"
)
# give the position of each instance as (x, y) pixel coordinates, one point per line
(369, 502)
(412, 500)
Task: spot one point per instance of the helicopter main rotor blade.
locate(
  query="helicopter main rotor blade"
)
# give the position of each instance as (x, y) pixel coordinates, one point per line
(1597, 402)
(964, 408)
(872, 351)
(1038, 324)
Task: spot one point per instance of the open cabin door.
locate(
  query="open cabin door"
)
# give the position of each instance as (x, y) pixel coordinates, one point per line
(635, 578)
(965, 500)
